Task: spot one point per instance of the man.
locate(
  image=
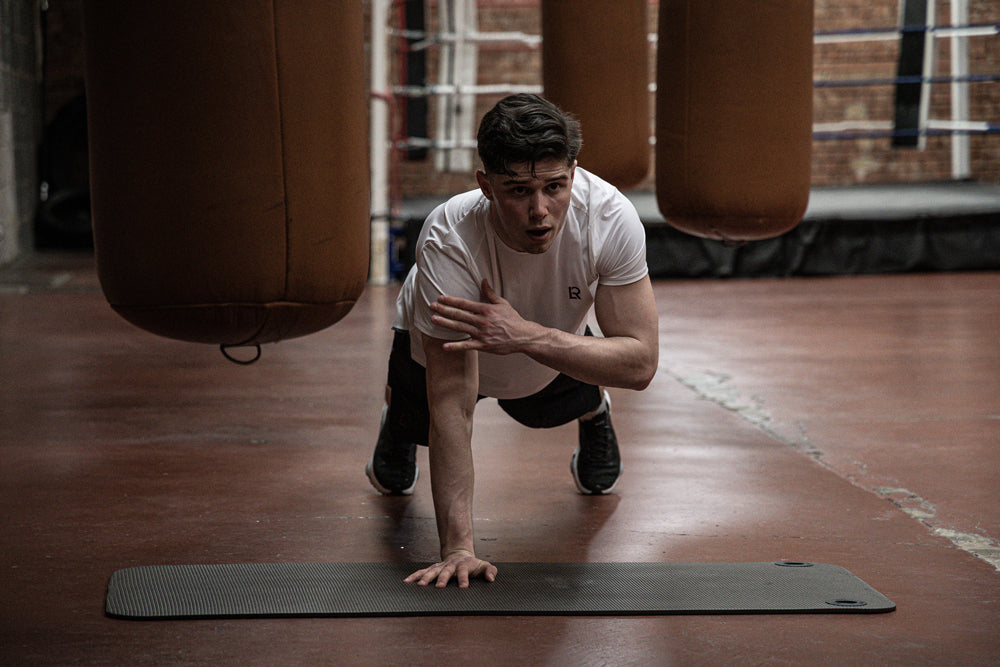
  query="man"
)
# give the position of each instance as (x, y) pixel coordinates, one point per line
(496, 305)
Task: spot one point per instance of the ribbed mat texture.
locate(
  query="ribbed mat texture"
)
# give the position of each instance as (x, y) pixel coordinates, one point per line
(581, 589)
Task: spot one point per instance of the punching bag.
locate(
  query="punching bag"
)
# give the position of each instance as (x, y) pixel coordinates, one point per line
(734, 116)
(595, 65)
(229, 164)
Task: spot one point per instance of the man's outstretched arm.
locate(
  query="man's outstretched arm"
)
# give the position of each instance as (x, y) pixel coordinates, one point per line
(452, 386)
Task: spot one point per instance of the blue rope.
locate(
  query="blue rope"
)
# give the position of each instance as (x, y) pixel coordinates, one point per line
(844, 83)
(888, 134)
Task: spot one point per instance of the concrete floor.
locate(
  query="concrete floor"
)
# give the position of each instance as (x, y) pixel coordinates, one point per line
(851, 420)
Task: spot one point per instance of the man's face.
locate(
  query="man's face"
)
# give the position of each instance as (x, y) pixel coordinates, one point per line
(528, 209)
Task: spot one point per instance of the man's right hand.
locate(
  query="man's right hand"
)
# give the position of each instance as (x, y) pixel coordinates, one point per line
(462, 565)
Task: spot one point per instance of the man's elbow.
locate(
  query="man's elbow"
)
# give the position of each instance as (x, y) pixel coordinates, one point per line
(641, 381)
(643, 375)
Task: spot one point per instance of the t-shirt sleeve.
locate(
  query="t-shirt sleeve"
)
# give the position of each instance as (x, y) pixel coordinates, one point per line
(620, 244)
(443, 269)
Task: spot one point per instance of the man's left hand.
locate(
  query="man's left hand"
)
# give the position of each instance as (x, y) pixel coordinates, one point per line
(460, 565)
(492, 324)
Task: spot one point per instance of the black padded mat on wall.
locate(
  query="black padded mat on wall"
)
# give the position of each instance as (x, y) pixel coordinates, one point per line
(267, 590)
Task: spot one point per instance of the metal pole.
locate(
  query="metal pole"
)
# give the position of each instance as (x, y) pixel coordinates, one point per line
(961, 164)
(927, 72)
(380, 100)
(456, 71)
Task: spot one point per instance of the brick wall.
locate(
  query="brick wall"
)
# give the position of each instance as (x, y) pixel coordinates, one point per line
(869, 160)
(984, 58)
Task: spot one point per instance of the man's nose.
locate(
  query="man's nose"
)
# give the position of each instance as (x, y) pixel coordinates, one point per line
(538, 207)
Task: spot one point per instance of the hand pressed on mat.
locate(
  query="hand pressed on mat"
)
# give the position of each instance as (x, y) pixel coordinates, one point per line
(459, 564)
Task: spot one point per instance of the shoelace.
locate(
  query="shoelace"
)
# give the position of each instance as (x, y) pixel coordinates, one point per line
(600, 446)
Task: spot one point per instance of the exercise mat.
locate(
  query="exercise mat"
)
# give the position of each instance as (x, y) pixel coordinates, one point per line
(577, 589)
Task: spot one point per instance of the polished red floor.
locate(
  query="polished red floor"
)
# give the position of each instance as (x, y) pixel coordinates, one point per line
(851, 420)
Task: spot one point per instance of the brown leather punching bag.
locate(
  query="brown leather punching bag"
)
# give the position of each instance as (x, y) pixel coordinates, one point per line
(229, 164)
(734, 116)
(595, 65)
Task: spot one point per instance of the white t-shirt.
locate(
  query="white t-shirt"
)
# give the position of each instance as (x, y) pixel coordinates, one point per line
(603, 242)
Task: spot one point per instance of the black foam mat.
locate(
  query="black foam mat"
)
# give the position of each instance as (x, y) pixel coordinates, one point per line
(259, 590)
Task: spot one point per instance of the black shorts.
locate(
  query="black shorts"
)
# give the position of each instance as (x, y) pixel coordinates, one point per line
(560, 402)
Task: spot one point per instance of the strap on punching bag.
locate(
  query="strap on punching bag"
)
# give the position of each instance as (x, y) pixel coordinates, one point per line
(225, 349)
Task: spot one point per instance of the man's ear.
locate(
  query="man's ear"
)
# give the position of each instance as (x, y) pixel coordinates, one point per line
(484, 184)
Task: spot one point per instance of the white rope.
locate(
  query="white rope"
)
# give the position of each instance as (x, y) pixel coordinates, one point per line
(452, 89)
(892, 33)
(427, 40)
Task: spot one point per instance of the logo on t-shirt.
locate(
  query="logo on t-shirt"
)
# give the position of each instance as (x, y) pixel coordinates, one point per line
(574, 292)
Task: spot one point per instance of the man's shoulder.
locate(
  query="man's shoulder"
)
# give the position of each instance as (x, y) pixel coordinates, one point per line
(589, 181)
(461, 205)
(453, 218)
(597, 199)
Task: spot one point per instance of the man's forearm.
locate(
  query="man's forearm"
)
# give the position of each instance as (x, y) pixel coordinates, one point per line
(452, 385)
(452, 482)
(611, 362)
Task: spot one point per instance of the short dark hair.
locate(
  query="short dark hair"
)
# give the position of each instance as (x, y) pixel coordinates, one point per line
(526, 128)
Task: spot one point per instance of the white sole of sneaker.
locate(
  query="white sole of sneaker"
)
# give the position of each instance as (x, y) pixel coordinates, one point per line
(584, 490)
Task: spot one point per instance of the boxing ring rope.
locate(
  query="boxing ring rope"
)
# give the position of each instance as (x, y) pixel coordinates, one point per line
(895, 80)
(848, 130)
(959, 127)
(463, 89)
(429, 39)
(889, 34)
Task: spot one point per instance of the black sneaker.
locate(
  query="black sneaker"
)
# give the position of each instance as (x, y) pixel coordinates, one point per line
(596, 464)
(393, 468)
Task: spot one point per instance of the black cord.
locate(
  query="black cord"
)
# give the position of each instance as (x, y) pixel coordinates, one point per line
(242, 362)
